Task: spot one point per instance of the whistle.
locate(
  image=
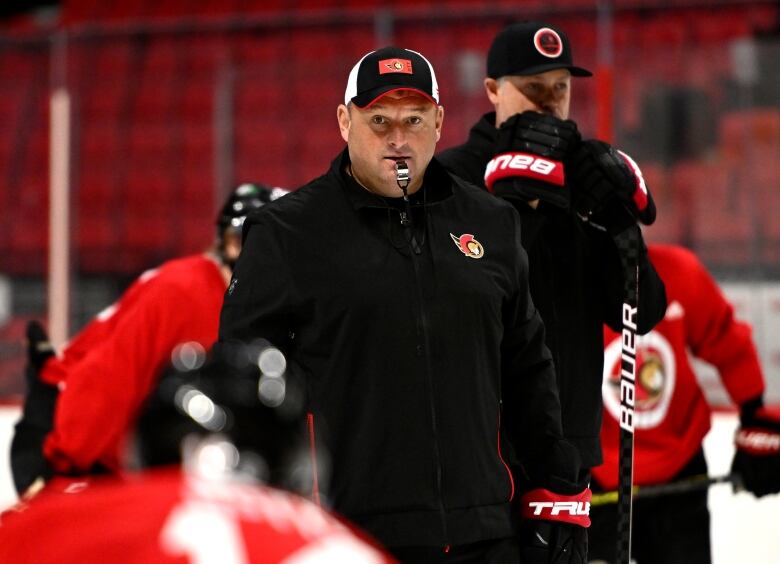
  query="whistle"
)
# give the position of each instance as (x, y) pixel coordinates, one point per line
(402, 174)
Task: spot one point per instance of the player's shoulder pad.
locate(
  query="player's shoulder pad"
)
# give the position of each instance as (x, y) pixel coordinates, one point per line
(178, 274)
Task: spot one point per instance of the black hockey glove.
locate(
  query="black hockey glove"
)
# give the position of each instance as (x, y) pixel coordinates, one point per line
(757, 459)
(545, 542)
(39, 349)
(553, 528)
(27, 460)
(608, 188)
(528, 161)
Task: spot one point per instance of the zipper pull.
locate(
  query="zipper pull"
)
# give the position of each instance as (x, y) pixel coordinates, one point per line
(405, 219)
(415, 245)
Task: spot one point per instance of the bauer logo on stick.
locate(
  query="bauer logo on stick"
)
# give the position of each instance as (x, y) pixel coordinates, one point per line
(654, 384)
(468, 245)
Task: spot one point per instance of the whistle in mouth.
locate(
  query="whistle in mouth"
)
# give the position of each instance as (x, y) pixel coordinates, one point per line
(402, 173)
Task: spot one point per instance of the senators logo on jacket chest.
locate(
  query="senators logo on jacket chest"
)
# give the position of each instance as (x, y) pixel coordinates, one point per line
(468, 245)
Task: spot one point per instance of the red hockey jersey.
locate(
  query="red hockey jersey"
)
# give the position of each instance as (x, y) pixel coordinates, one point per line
(165, 517)
(111, 366)
(672, 415)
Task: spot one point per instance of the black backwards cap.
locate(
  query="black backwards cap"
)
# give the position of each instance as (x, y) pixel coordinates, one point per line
(389, 69)
(528, 48)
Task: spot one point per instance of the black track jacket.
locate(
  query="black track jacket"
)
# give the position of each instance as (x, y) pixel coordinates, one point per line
(403, 349)
(577, 285)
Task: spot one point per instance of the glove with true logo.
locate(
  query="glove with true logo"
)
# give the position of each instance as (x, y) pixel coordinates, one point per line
(555, 518)
(528, 161)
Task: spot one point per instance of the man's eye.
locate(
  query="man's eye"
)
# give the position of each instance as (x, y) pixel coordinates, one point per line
(415, 120)
(532, 88)
(377, 120)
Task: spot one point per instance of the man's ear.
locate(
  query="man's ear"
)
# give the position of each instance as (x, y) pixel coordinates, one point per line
(232, 245)
(439, 121)
(344, 119)
(491, 89)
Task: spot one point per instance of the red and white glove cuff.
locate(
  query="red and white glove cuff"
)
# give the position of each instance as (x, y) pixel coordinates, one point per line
(640, 192)
(758, 440)
(507, 165)
(549, 506)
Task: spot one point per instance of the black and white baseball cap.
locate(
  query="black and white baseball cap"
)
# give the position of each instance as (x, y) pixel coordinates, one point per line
(528, 48)
(387, 70)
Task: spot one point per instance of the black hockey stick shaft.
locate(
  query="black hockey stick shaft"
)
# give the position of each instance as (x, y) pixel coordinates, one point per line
(690, 484)
(628, 242)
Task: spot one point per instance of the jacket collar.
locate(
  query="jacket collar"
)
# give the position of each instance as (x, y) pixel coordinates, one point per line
(437, 185)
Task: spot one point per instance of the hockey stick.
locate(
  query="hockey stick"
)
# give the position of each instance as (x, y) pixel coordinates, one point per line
(691, 484)
(627, 242)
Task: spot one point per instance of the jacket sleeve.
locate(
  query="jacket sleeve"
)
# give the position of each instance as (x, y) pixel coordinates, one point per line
(652, 293)
(258, 301)
(531, 407)
(468, 165)
(715, 335)
(104, 390)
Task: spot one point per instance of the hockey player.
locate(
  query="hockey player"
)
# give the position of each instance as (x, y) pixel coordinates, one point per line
(672, 416)
(572, 197)
(225, 504)
(82, 402)
(402, 294)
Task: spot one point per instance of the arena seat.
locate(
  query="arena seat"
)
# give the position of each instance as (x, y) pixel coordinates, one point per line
(13, 356)
(669, 224)
(746, 131)
(718, 215)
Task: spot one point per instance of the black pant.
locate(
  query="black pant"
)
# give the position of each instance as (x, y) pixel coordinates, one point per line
(668, 529)
(493, 551)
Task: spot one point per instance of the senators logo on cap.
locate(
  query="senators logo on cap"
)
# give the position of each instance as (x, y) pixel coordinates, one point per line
(468, 245)
(548, 42)
(395, 65)
(387, 70)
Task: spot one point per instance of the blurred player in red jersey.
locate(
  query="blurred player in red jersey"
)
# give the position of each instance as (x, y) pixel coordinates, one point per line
(672, 416)
(82, 402)
(240, 422)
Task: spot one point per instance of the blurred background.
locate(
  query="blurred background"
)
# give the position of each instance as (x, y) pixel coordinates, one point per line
(125, 123)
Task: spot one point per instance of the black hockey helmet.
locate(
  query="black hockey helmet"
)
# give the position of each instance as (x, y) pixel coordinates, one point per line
(244, 199)
(236, 410)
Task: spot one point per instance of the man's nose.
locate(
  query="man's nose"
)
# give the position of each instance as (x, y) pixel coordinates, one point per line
(547, 101)
(396, 138)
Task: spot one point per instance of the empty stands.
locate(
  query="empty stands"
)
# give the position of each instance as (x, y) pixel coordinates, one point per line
(163, 122)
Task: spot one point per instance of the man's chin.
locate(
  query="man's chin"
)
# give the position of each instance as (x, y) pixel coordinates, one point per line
(390, 186)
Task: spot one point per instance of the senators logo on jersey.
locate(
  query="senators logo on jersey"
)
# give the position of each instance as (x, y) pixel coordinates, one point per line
(468, 245)
(656, 374)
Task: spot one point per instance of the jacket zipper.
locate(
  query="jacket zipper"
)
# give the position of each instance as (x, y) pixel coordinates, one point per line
(423, 324)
